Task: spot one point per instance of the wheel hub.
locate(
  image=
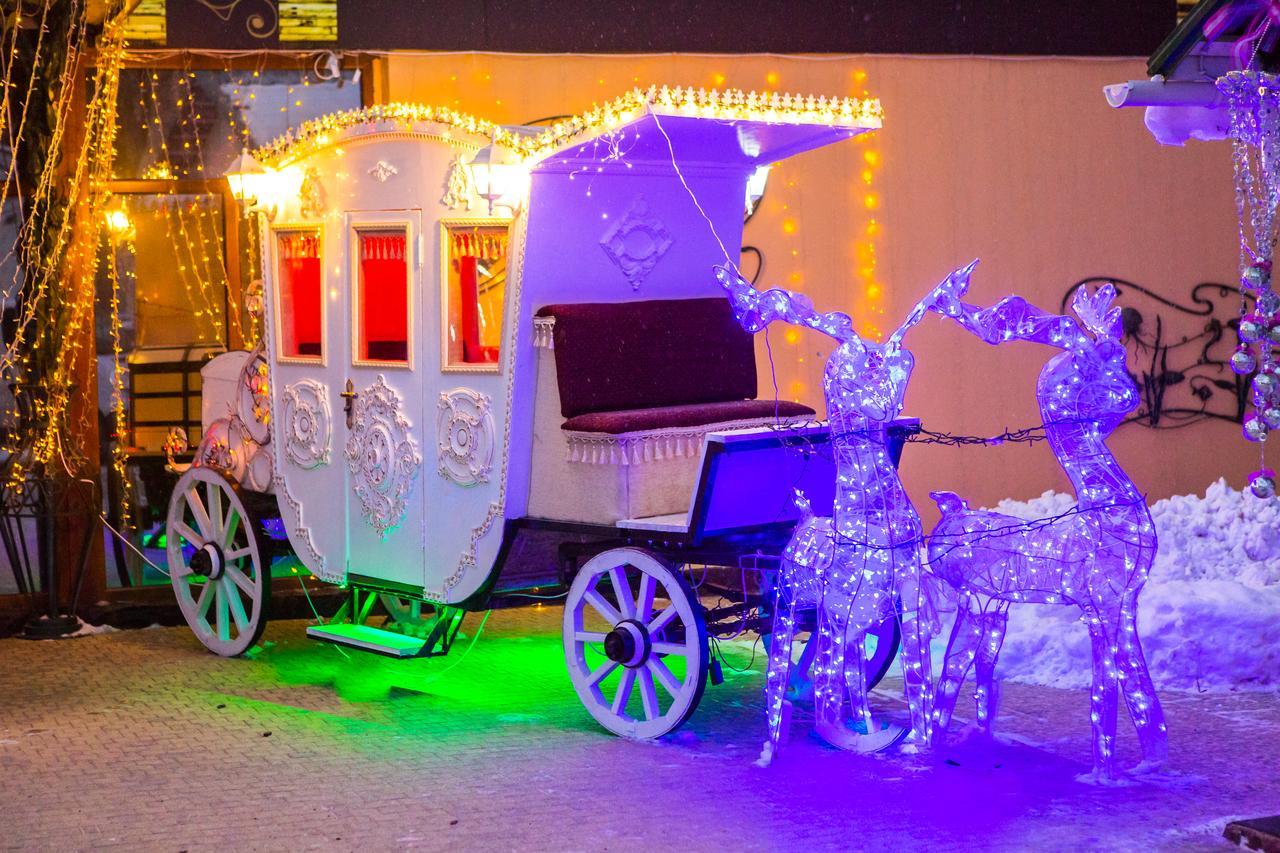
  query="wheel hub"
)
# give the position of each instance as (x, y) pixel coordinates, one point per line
(628, 643)
(207, 562)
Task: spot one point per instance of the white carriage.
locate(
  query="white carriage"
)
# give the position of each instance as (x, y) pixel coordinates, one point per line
(496, 359)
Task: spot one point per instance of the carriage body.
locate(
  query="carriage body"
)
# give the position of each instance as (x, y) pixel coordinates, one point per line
(455, 400)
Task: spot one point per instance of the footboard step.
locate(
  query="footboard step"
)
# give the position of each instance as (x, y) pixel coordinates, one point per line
(368, 639)
(1259, 833)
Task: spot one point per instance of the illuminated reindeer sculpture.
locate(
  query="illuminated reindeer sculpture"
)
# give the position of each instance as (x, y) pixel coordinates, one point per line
(1096, 556)
(854, 566)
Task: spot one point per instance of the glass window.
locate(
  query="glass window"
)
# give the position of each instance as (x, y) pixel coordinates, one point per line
(173, 279)
(300, 315)
(382, 295)
(475, 278)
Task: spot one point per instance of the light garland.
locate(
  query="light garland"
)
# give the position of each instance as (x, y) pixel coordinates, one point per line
(727, 105)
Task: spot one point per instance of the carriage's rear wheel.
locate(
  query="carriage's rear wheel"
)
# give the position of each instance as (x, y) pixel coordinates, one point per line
(635, 643)
(216, 564)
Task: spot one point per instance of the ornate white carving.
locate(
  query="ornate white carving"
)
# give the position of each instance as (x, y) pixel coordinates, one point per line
(311, 195)
(307, 424)
(464, 436)
(382, 456)
(382, 170)
(459, 191)
(636, 242)
(253, 397)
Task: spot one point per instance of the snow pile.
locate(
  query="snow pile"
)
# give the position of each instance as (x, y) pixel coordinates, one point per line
(1209, 616)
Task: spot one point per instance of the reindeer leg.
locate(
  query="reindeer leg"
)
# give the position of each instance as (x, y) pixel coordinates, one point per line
(1102, 698)
(777, 708)
(828, 673)
(917, 676)
(965, 635)
(1138, 690)
(994, 622)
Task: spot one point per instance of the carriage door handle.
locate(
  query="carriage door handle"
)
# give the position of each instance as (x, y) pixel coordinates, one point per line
(349, 396)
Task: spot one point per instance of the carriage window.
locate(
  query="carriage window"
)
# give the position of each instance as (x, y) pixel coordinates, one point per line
(301, 298)
(383, 296)
(475, 277)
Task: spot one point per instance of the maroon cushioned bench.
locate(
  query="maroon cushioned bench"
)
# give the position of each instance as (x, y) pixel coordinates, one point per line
(644, 382)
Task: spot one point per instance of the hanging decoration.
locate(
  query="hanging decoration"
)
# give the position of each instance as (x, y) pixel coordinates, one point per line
(63, 161)
(862, 565)
(1253, 99)
(1095, 556)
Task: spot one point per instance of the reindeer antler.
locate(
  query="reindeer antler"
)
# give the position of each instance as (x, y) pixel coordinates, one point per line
(1096, 313)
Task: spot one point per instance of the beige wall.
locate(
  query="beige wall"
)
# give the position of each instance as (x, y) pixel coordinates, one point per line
(1019, 162)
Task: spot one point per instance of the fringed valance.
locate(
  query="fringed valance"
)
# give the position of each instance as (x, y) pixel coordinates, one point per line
(636, 448)
(544, 332)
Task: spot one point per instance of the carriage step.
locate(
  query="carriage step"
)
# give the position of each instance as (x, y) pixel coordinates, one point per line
(368, 639)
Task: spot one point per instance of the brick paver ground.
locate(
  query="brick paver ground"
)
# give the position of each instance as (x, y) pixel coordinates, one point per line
(142, 740)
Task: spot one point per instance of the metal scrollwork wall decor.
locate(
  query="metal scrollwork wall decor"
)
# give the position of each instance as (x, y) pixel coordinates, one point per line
(311, 195)
(1182, 368)
(307, 424)
(464, 436)
(382, 457)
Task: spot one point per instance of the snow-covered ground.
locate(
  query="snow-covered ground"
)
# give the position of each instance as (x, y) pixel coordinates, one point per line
(1209, 616)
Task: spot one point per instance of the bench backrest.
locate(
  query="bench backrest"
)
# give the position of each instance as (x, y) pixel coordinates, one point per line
(640, 355)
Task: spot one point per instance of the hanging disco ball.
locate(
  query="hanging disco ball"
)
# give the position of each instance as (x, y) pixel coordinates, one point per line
(1263, 483)
(1255, 429)
(1271, 417)
(1257, 276)
(1266, 383)
(1252, 328)
(1243, 362)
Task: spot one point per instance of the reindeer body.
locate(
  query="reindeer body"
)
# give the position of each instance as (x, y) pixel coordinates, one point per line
(853, 566)
(1096, 557)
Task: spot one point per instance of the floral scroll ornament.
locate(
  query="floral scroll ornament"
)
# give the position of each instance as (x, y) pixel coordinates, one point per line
(460, 190)
(383, 171)
(307, 424)
(311, 195)
(636, 243)
(464, 436)
(382, 457)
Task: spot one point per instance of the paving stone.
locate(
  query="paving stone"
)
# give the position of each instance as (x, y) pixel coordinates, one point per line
(142, 740)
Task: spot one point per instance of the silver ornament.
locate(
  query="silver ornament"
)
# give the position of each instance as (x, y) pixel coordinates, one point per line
(1243, 362)
(1265, 383)
(1255, 429)
(1263, 486)
(1273, 334)
(1256, 277)
(1251, 328)
(1271, 417)
(1268, 303)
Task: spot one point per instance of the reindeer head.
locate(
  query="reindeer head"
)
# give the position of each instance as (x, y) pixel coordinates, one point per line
(1090, 381)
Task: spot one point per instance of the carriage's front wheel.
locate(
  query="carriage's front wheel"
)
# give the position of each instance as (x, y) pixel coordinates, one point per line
(635, 643)
(216, 566)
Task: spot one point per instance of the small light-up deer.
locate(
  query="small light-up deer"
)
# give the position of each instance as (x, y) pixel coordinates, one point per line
(1095, 557)
(854, 566)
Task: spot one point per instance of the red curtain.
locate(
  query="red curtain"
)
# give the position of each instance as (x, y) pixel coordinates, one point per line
(384, 297)
(300, 301)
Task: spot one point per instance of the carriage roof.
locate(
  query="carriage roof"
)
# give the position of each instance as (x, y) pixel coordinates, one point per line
(729, 126)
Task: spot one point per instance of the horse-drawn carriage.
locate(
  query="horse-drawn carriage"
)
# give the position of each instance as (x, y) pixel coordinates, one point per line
(448, 407)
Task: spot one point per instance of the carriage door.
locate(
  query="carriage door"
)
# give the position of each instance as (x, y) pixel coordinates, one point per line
(382, 401)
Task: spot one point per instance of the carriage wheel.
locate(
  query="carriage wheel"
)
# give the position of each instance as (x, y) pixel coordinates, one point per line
(216, 565)
(635, 643)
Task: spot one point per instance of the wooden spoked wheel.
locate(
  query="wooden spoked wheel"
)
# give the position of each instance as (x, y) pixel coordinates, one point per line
(216, 564)
(635, 643)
